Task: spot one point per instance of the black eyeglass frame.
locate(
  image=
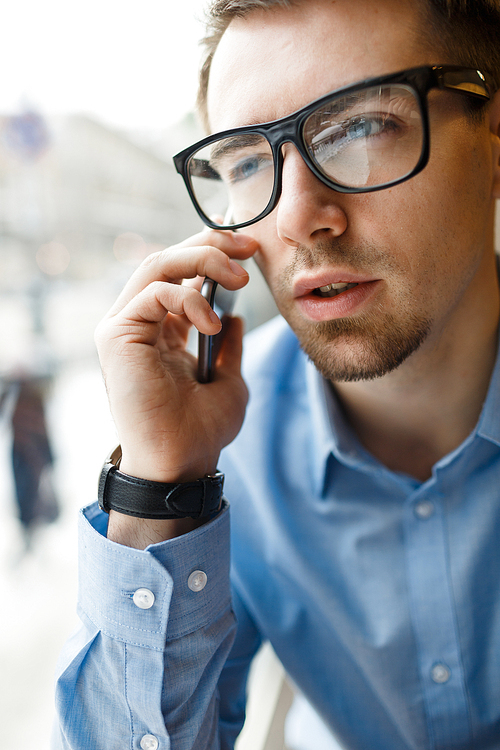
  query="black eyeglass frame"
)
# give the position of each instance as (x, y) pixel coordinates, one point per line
(289, 129)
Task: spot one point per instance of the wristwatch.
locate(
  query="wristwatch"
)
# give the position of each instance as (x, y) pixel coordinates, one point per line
(143, 498)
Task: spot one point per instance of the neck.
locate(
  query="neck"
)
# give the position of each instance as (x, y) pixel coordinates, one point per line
(415, 415)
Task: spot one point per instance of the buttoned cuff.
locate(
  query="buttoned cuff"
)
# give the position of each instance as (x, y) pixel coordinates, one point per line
(147, 597)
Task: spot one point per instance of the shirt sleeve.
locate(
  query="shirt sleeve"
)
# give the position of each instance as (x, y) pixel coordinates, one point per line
(157, 627)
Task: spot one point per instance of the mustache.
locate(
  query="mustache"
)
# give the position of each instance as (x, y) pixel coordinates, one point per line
(362, 257)
(358, 257)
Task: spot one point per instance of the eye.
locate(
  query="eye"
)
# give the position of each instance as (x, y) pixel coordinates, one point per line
(360, 127)
(331, 140)
(365, 126)
(248, 167)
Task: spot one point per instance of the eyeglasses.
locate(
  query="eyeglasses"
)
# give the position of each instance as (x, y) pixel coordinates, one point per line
(358, 139)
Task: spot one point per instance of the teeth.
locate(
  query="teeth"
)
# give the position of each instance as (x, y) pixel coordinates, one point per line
(330, 290)
(329, 287)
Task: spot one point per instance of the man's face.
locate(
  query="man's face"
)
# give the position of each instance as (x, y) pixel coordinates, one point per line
(417, 258)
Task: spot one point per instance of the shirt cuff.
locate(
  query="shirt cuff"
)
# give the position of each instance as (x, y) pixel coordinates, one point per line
(174, 602)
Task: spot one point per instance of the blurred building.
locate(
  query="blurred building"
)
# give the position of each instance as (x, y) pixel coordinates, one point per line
(73, 182)
(80, 206)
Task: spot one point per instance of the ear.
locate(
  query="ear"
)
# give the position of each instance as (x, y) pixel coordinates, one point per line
(495, 141)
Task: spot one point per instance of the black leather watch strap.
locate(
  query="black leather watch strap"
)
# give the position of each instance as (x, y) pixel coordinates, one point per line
(146, 499)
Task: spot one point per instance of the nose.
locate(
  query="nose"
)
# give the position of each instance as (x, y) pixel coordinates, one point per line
(307, 210)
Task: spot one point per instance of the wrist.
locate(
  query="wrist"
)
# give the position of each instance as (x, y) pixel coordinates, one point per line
(159, 467)
(158, 501)
(139, 533)
(155, 472)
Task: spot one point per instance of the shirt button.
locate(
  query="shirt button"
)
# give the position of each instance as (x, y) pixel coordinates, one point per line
(143, 598)
(197, 580)
(440, 673)
(149, 742)
(424, 509)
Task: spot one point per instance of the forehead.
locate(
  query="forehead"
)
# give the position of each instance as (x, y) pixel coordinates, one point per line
(272, 62)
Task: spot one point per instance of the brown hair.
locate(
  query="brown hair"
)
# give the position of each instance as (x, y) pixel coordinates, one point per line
(468, 32)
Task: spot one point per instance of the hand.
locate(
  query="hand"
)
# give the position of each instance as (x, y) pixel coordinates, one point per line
(172, 428)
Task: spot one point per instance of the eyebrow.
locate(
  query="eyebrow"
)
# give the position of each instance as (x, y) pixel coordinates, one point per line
(234, 143)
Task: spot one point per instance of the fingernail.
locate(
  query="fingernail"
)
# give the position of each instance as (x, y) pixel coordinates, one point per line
(214, 317)
(236, 268)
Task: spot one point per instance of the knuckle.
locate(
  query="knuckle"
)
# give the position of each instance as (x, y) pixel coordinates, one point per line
(152, 260)
(192, 301)
(155, 287)
(206, 254)
(191, 295)
(161, 289)
(213, 257)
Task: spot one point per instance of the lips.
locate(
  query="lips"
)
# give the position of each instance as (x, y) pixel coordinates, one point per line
(330, 295)
(328, 283)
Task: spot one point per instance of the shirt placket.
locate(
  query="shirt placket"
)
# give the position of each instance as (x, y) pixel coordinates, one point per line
(433, 618)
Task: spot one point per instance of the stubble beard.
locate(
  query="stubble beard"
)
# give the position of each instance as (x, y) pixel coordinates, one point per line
(349, 350)
(365, 346)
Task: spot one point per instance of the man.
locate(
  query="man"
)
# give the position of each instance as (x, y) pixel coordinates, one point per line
(364, 483)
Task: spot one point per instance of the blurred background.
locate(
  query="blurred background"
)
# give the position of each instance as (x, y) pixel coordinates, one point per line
(94, 100)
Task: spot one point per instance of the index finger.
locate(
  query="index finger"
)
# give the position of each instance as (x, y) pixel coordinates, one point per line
(205, 254)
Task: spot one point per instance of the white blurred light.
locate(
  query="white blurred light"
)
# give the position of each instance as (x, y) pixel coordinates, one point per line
(132, 65)
(130, 248)
(53, 258)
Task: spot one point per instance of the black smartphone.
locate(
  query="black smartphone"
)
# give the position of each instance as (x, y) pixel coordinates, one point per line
(222, 301)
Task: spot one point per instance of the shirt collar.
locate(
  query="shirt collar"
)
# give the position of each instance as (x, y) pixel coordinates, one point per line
(332, 435)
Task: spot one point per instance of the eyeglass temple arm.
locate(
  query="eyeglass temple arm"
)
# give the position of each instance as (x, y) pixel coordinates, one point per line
(467, 81)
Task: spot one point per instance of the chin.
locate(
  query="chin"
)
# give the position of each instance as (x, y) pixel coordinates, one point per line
(350, 350)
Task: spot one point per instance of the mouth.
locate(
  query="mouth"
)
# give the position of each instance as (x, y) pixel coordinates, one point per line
(327, 283)
(331, 290)
(320, 297)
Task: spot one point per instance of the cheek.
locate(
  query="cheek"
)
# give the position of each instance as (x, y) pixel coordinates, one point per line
(439, 216)
(457, 185)
(401, 222)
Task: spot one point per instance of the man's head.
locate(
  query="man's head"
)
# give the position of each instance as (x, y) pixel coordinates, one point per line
(414, 262)
(465, 32)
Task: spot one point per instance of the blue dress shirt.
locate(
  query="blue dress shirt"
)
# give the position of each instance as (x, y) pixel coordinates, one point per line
(380, 594)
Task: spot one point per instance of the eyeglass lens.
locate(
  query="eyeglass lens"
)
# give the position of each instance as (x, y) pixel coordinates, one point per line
(366, 139)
